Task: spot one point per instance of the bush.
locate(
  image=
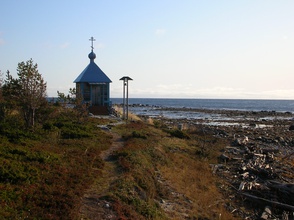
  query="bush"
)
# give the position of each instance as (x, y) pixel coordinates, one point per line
(178, 133)
(74, 131)
(48, 126)
(69, 129)
(13, 130)
(137, 134)
(18, 164)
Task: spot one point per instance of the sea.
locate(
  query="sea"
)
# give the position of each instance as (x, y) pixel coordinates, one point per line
(223, 104)
(159, 106)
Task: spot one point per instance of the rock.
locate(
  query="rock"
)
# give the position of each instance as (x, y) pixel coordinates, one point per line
(241, 141)
(224, 158)
(253, 125)
(291, 128)
(266, 214)
(280, 139)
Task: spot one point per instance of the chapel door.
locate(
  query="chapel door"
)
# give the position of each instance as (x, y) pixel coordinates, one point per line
(96, 95)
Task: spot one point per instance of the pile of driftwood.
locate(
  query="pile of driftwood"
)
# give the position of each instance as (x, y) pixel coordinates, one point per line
(260, 175)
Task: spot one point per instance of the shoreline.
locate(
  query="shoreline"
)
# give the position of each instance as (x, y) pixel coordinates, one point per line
(205, 109)
(257, 164)
(218, 117)
(263, 128)
(254, 164)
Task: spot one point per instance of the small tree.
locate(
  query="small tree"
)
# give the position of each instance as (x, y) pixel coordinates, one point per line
(69, 98)
(1, 98)
(9, 91)
(80, 106)
(26, 93)
(75, 98)
(1, 84)
(32, 90)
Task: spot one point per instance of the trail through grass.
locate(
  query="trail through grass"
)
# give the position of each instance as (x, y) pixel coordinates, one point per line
(150, 173)
(94, 204)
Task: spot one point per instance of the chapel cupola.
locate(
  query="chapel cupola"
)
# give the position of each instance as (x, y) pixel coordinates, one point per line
(92, 56)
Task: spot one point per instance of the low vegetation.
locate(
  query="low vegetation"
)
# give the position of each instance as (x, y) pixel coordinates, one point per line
(50, 157)
(44, 173)
(161, 173)
(162, 176)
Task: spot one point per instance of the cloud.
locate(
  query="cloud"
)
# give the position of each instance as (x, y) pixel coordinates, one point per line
(64, 45)
(182, 90)
(160, 32)
(279, 94)
(190, 91)
(52, 91)
(98, 45)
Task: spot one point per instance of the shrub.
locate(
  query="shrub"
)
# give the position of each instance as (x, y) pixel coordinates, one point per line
(74, 131)
(48, 126)
(137, 134)
(178, 133)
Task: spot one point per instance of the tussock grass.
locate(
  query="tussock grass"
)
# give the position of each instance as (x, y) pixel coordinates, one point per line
(131, 116)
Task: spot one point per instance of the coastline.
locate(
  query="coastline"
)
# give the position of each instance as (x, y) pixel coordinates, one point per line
(214, 117)
(275, 126)
(253, 165)
(257, 165)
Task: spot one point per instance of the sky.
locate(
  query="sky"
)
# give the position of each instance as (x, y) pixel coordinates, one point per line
(170, 48)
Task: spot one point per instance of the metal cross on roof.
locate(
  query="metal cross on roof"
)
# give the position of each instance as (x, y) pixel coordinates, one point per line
(92, 39)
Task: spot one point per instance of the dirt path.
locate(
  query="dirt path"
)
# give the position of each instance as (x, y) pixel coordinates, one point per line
(117, 142)
(94, 204)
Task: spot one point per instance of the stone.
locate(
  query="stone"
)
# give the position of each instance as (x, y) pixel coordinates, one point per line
(291, 128)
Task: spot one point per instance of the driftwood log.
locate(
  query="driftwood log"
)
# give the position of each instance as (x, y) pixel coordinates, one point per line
(283, 187)
(279, 204)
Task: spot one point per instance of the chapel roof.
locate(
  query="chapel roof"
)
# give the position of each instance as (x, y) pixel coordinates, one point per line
(92, 73)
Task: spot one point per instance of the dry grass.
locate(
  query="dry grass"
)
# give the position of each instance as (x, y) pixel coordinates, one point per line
(153, 166)
(194, 180)
(131, 116)
(185, 180)
(191, 176)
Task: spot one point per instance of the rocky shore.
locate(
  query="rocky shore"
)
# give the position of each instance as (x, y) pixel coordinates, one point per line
(256, 167)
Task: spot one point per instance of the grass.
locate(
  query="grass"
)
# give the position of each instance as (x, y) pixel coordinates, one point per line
(135, 188)
(43, 175)
(189, 173)
(148, 151)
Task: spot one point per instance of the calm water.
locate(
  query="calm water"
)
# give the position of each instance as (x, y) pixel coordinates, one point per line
(155, 107)
(228, 104)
